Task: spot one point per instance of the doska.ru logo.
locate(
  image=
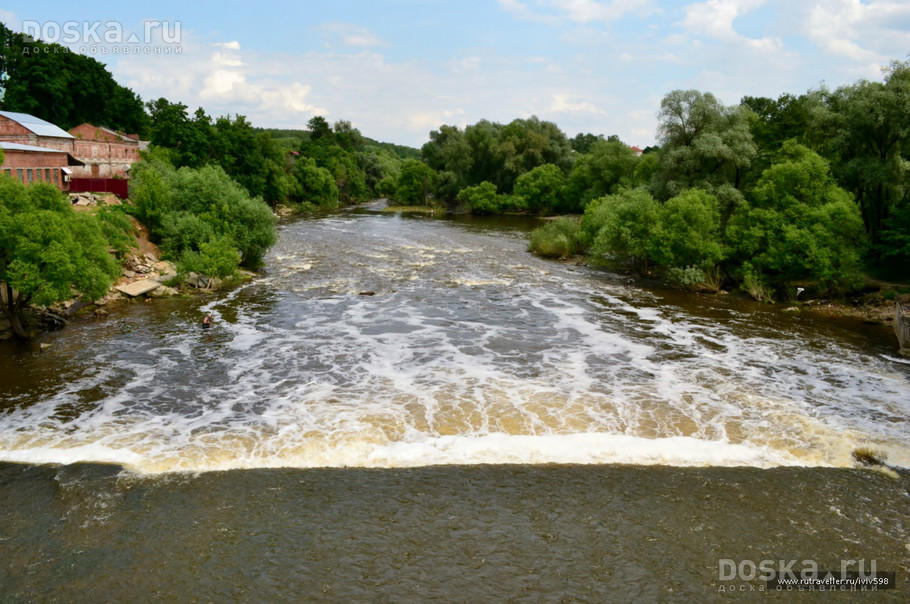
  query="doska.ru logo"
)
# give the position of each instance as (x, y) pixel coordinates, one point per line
(102, 32)
(770, 570)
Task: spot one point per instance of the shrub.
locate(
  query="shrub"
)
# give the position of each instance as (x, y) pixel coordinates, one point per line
(117, 228)
(556, 239)
(200, 215)
(542, 188)
(623, 226)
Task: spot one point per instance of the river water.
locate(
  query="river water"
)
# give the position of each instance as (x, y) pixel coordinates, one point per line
(407, 408)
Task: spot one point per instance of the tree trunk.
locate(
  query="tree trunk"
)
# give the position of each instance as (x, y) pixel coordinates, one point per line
(14, 310)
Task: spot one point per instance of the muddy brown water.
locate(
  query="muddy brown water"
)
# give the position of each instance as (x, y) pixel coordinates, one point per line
(488, 426)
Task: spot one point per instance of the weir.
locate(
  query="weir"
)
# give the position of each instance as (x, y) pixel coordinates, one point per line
(470, 351)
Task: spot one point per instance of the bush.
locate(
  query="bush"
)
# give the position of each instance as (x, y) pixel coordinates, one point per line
(556, 239)
(798, 225)
(623, 226)
(687, 233)
(203, 219)
(542, 188)
(216, 257)
(117, 228)
(481, 199)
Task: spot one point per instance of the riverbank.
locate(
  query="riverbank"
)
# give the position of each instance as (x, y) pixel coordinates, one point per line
(144, 276)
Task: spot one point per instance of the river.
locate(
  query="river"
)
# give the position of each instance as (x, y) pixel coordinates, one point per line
(402, 408)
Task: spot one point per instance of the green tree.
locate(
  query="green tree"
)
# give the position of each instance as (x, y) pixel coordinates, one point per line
(607, 166)
(798, 225)
(314, 185)
(542, 188)
(868, 128)
(415, 182)
(54, 83)
(47, 251)
(622, 226)
(687, 232)
(703, 143)
(192, 212)
(449, 153)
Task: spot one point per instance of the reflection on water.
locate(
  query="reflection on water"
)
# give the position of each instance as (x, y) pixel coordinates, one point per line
(470, 351)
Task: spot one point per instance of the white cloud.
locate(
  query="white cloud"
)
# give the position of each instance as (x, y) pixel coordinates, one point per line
(577, 11)
(714, 19)
(218, 78)
(869, 33)
(351, 35)
(563, 103)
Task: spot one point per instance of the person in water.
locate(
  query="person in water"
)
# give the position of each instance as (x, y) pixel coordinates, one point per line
(207, 321)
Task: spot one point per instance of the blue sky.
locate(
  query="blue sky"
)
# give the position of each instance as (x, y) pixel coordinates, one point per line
(400, 68)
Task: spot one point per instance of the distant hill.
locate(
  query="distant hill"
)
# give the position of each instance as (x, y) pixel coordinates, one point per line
(290, 139)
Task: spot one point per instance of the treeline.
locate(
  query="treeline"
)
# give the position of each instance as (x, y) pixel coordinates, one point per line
(811, 189)
(63, 87)
(319, 168)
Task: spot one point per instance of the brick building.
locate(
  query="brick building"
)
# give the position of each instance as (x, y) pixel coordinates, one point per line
(27, 129)
(105, 153)
(31, 164)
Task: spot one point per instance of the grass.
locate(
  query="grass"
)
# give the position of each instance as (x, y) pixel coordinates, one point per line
(556, 239)
(411, 209)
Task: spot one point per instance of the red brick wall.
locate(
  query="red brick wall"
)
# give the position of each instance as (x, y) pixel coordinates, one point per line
(9, 130)
(105, 159)
(44, 167)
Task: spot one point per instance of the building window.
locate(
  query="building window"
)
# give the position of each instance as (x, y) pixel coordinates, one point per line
(19, 174)
(56, 177)
(47, 175)
(9, 172)
(31, 176)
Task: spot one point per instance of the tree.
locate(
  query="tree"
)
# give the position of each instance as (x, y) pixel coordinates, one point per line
(525, 144)
(319, 128)
(448, 151)
(54, 83)
(607, 166)
(415, 182)
(868, 127)
(542, 188)
(314, 185)
(622, 226)
(47, 251)
(582, 142)
(703, 143)
(798, 225)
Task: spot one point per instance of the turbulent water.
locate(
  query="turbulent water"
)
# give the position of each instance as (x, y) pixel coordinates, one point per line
(486, 426)
(470, 350)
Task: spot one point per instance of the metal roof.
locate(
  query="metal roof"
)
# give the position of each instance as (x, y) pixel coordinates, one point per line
(19, 147)
(36, 125)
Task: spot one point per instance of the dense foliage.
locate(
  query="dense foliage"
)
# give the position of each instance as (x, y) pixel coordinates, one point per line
(201, 218)
(807, 191)
(48, 251)
(63, 87)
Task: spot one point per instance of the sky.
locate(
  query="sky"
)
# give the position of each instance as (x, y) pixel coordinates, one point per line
(398, 69)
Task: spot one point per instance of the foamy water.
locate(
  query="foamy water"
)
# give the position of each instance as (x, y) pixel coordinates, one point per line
(471, 351)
